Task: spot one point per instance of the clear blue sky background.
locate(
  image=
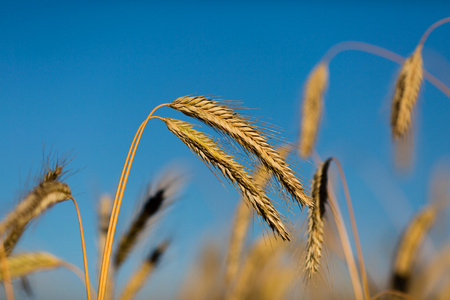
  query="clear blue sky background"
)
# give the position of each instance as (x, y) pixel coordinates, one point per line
(79, 77)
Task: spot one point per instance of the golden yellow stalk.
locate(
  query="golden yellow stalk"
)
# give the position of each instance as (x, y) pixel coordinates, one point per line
(312, 108)
(406, 93)
(212, 154)
(409, 244)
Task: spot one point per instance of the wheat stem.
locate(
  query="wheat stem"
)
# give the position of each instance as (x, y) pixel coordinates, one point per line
(381, 52)
(83, 247)
(433, 27)
(354, 229)
(116, 206)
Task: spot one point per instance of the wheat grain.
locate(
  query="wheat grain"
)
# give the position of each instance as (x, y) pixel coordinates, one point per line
(319, 195)
(213, 155)
(406, 93)
(312, 108)
(243, 131)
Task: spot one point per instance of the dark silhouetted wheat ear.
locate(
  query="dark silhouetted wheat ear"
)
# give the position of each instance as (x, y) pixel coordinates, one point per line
(223, 119)
(319, 195)
(412, 238)
(213, 155)
(154, 203)
(312, 108)
(406, 93)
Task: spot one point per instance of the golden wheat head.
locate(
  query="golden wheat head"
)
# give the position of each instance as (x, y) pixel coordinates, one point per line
(319, 195)
(406, 93)
(223, 119)
(312, 108)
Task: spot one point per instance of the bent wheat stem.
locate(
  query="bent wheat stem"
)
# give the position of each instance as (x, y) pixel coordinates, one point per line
(433, 27)
(116, 205)
(83, 246)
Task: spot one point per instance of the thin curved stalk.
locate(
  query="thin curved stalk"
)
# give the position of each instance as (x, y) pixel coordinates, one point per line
(116, 206)
(381, 52)
(433, 27)
(80, 274)
(343, 235)
(354, 229)
(83, 246)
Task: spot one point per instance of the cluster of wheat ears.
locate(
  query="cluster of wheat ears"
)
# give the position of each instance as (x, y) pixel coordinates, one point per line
(282, 263)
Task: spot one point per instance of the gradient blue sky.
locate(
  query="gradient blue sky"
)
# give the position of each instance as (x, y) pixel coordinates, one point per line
(79, 78)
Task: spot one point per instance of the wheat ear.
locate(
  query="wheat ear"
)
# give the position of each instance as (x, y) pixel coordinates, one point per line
(406, 93)
(43, 196)
(22, 264)
(19, 225)
(213, 155)
(138, 279)
(409, 244)
(319, 195)
(151, 207)
(223, 119)
(312, 108)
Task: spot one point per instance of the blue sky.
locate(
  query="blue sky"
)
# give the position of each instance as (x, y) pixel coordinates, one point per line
(80, 77)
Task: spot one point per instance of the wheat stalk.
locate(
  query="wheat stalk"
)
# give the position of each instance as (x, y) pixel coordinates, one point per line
(406, 93)
(319, 195)
(312, 108)
(409, 244)
(213, 155)
(249, 136)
